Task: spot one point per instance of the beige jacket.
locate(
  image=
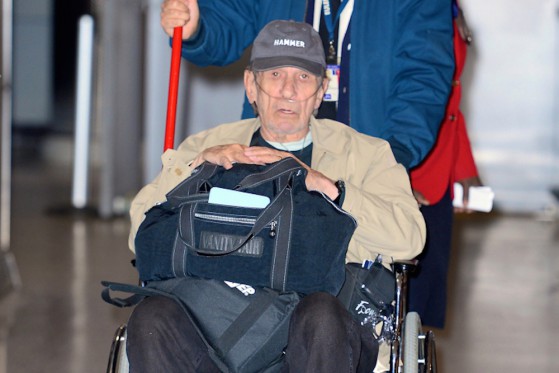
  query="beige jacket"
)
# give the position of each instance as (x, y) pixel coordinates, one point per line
(378, 193)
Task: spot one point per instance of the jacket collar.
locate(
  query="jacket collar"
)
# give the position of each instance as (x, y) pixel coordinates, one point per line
(325, 139)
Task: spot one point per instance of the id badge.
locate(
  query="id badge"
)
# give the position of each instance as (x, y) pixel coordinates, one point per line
(333, 74)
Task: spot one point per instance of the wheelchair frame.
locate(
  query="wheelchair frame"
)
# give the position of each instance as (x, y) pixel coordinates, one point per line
(412, 350)
(118, 361)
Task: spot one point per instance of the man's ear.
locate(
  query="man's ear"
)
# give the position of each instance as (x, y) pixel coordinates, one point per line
(325, 82)
(321, 92)
(250, 86)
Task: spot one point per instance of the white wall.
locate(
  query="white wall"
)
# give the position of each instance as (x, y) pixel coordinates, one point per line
(510, 99)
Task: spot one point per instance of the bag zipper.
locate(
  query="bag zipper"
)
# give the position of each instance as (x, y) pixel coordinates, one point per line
(236, 219)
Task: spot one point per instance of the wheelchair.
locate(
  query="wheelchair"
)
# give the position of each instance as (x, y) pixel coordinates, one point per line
(411, 349)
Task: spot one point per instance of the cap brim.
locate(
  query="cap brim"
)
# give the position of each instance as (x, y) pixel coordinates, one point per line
(267, 63)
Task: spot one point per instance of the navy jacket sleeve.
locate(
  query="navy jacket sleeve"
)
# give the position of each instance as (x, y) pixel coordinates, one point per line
(402, 56)
(228, 27)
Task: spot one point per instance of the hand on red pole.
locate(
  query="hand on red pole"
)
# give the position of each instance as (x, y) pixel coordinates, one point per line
(179, 19)
(180, 13)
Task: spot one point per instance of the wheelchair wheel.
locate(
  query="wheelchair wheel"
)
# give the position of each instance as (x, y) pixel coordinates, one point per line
(118, 361)
(412, 347)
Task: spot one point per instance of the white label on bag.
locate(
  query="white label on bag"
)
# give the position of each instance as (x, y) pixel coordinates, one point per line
(228, 197)
(245, 289)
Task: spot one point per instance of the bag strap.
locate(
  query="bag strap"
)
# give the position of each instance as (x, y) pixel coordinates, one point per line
(191, 185)
(282, 170)
(259, 304)
(138, 293)
(283, 244)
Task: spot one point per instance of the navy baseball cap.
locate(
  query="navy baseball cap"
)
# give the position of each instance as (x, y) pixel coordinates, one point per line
(288, 43)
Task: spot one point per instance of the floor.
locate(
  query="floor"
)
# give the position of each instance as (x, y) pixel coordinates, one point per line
(504, 286)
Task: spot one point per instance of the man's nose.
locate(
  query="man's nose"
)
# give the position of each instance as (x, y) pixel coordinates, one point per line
(288, 89)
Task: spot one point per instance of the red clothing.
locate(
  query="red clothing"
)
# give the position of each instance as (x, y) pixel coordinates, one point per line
(451, 157)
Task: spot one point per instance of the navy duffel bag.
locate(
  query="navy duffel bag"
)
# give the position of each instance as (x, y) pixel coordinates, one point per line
(298, 242)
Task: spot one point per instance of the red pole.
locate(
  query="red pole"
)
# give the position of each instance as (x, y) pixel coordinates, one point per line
(173, 89)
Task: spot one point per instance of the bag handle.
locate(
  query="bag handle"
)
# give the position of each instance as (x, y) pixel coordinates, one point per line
(138, 293)
(268, 214)
(182, 193)
(191, 185)
(282, 169)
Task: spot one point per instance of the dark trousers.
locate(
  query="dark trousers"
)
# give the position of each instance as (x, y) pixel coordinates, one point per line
(427, 291)
(323, 337)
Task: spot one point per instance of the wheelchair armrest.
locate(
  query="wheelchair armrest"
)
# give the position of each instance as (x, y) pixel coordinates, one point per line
(404, 266)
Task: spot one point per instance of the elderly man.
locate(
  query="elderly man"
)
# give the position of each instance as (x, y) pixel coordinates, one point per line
(285, 83)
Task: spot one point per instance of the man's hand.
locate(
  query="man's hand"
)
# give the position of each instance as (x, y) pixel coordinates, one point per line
(315, 181)
(227, 155)
(420, 198)
(223, 155)
(180, 13)
(263, 155)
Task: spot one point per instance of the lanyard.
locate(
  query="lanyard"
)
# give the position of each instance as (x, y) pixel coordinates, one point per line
(330, 24)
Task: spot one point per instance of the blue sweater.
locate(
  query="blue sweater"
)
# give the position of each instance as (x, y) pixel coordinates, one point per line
(401, 62)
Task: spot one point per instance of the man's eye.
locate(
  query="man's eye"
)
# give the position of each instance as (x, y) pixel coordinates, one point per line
(275, 74)
(304, 76)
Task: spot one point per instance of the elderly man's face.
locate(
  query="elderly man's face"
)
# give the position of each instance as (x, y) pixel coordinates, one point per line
(286, 98)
